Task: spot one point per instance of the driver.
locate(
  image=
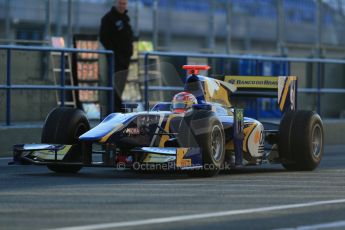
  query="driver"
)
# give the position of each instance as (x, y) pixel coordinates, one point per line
(183, 102)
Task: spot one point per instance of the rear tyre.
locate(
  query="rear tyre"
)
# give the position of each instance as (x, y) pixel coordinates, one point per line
(64, 126)
(306, 141)
(285, 140)
(212, 144)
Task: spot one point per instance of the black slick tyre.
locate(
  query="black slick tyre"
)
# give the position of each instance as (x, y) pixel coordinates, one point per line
(306, 141)
(64, 126)
(285, 140)
(212, 144)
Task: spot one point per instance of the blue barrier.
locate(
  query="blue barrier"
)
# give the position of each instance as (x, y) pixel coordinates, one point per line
(283, 62)
(62, 88)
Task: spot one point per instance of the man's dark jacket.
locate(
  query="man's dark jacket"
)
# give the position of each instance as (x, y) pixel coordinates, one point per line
(116, 34)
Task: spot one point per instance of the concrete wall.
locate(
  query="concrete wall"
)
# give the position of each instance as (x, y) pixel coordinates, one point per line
(332, 105)
(28, 68)
(334, 132)
(32, 68)
(21, 134)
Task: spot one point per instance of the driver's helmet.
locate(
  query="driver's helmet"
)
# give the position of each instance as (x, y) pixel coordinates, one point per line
(182, 102)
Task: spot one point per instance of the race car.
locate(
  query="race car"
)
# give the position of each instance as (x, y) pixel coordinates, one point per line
(201, 131)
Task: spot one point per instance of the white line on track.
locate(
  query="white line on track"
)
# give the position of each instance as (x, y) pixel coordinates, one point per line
(164, 186)
(6, 158)
(328, 225)
(201, 216)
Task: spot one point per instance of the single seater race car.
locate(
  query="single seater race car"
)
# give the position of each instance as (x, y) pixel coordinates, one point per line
(201, 131)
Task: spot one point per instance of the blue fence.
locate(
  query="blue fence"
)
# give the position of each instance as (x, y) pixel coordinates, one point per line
(253, 65)
(62, 87)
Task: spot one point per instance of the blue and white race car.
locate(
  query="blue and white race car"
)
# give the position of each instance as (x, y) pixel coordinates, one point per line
(201, 132)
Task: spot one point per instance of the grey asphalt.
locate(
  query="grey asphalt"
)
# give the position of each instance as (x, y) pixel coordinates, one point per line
(32, 197)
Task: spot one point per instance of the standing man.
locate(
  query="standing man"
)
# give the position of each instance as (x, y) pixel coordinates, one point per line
(116, 34)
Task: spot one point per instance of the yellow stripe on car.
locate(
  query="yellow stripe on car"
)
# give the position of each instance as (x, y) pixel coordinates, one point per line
(286, 90)
(158, 158)
(247, 131)
(106, 137)
(180, 161)
(50, 154)
(165, 138)
(216, 92)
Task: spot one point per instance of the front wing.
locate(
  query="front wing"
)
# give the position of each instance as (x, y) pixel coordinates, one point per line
(51, 154)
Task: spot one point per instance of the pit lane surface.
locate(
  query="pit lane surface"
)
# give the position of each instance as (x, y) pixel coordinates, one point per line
(31, 197)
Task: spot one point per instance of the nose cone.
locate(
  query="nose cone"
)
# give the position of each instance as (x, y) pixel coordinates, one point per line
(100, 132)
(106, 128)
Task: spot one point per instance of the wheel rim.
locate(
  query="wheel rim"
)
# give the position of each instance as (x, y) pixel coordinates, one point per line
(216, 143)
(316, 140)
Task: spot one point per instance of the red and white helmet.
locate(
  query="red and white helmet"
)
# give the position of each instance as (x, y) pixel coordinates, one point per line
(182, 102)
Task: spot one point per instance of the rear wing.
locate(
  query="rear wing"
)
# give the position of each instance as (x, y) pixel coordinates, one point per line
(283, 88)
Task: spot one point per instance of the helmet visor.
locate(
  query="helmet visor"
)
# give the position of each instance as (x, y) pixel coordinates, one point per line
(179, 105)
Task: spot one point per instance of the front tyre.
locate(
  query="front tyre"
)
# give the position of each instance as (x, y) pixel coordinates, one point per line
(64, 126)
